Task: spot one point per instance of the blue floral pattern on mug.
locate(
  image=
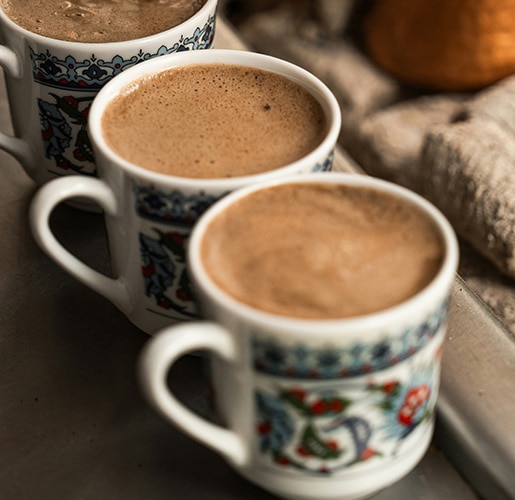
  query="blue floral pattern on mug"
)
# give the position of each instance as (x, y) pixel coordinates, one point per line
(93, 73)
(163, 252)
(63, 125)
(164, 270)
(325, 166)
(173, 207)
(300, 361)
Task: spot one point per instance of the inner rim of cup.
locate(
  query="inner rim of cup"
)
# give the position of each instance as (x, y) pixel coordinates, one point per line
(73, 46)
(303, 326)
(215, 56)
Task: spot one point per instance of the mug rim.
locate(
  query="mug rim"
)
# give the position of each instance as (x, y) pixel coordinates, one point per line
(306, 326)
(75, 45)
(293, 72)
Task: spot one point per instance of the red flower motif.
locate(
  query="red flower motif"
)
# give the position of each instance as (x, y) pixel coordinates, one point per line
(336, 405)
(47, 133)
(148, 270)
(264, 428)
(177, 237)
(367, 453)
(318, 407)
(63, 163)
(77, 154)
(85, 112)
(165, 303)
(303, 451)
(181, 294)
(389, 387)
(299, 394)
(331, 443)
(413, 400)
(405, 415)
(282, 460)
(324, 406)
(71, 101)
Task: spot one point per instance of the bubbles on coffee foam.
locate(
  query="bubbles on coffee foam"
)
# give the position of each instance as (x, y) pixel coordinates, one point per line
(98, 21)
(82, 8)
(77, 9)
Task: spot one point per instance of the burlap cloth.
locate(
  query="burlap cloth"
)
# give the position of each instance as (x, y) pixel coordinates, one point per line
(457, 150)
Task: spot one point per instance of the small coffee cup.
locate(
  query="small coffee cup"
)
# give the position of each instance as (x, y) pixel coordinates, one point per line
(149, 214)
(51, 84)
(325, 333)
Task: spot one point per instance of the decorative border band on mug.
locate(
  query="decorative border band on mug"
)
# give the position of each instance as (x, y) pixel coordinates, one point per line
(176, 208)
(92, 74)
(300, 362)
(173, 207)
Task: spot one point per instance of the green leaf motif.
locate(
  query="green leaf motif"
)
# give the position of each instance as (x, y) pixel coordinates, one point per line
(185, 283)
(173, 245)
(72, 112)
(296, 403)
(84, 145)
(386, 405)
(317, 447)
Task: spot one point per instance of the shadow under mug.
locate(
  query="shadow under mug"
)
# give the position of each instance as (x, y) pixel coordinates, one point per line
(312, 409)
(149, 216)
(51, 85)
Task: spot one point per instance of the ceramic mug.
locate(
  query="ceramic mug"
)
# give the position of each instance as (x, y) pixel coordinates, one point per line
(51, 85)
(312, 409)
(149, 215)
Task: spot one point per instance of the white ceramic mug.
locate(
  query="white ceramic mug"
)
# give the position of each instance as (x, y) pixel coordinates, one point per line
(149, 216)
(51, 84)
(313, 409)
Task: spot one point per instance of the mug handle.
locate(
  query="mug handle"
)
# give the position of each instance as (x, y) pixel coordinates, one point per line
(159, 355)
(9, 61)
(15, 146)
(45, 200)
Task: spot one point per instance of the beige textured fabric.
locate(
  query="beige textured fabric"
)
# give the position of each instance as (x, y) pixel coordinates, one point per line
(468, 171)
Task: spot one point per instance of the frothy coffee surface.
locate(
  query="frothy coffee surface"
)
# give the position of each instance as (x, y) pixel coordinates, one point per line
(214, 121)
(98, 21)
(321, 252)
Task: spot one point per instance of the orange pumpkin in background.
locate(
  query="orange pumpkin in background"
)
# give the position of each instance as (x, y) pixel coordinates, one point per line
(447, 45)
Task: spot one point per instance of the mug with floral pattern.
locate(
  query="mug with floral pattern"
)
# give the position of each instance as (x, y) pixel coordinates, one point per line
(149, 215)
(311, 408)
(51, 85)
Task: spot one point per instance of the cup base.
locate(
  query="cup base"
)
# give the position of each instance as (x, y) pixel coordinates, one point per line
(348, 486)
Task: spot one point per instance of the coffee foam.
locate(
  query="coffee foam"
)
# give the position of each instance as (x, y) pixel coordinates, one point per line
(99, 21)
(321, 252)
(214, 120)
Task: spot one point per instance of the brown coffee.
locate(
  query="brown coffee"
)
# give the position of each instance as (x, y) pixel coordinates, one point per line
(214, 121)
(321, 251)
(98, 21)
